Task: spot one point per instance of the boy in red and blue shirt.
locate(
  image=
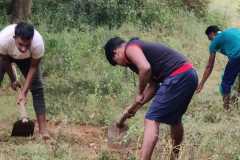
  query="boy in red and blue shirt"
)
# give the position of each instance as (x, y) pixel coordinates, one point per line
(163, 74)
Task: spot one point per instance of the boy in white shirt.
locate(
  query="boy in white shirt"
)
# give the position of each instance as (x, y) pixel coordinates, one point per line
(22, 44)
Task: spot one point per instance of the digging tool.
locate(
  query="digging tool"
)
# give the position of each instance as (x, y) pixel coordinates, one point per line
(118, 129)
(23, 127)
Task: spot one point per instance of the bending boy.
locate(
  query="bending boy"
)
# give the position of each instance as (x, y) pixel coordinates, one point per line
(22, 44)
(154, 64)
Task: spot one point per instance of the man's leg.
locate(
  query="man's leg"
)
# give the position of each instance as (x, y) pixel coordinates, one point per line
(177, 133)
(151, 132)
(37, 95)
(231, 71)
(4, 67)
(226, 101)
(39, 105)
(238, 85)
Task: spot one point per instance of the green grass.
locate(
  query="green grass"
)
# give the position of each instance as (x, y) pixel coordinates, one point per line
(228, 8)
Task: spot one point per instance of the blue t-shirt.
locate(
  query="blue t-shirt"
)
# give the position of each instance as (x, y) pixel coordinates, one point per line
(227, 42)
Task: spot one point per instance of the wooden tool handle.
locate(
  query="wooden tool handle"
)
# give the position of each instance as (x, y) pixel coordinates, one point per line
(125, 114)
(122, 119)
(21, 105)
(23, 112)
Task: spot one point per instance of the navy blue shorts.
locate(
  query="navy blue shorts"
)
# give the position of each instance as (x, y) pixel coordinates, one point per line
(173, 97)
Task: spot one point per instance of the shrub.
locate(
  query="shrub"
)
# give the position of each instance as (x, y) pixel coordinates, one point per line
(199, 7)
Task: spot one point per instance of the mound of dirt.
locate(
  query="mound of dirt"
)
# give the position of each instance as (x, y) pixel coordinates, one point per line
(87, 135)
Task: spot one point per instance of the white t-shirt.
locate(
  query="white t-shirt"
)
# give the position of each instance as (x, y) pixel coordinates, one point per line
(8, 46)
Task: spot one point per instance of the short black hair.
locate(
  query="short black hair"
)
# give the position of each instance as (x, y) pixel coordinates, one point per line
(24, 30)
(110, 46)
(212, 28)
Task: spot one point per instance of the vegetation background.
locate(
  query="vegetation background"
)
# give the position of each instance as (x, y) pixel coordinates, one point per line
(84, 94)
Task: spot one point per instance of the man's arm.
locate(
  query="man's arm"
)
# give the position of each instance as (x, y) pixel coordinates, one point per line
(148, 93)
(207, 72)
(136, 55)
(32, 71)
(12, 73)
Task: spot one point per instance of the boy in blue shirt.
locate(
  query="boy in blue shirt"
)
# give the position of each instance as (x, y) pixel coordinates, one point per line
(226, 42)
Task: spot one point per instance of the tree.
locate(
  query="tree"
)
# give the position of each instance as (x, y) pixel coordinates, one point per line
(19, 10)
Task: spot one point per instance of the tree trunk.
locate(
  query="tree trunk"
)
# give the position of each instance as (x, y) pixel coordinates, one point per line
(20, 10)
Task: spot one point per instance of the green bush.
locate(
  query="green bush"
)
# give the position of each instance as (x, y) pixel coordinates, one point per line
(71, 13)
(111, 13)
(216, 18)
(107, 12)
(199, 7)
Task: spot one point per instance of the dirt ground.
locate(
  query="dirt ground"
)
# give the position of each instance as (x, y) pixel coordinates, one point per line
(85, 140)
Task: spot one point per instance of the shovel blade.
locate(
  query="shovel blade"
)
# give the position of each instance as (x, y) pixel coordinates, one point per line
(116, 135)
(23, 129)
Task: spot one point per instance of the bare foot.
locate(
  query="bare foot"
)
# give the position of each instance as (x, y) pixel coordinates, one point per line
(44, 135)
(234, 99)
(226, 102)
(175, 153)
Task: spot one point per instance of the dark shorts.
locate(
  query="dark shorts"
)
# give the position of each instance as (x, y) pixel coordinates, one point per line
(173, 97)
